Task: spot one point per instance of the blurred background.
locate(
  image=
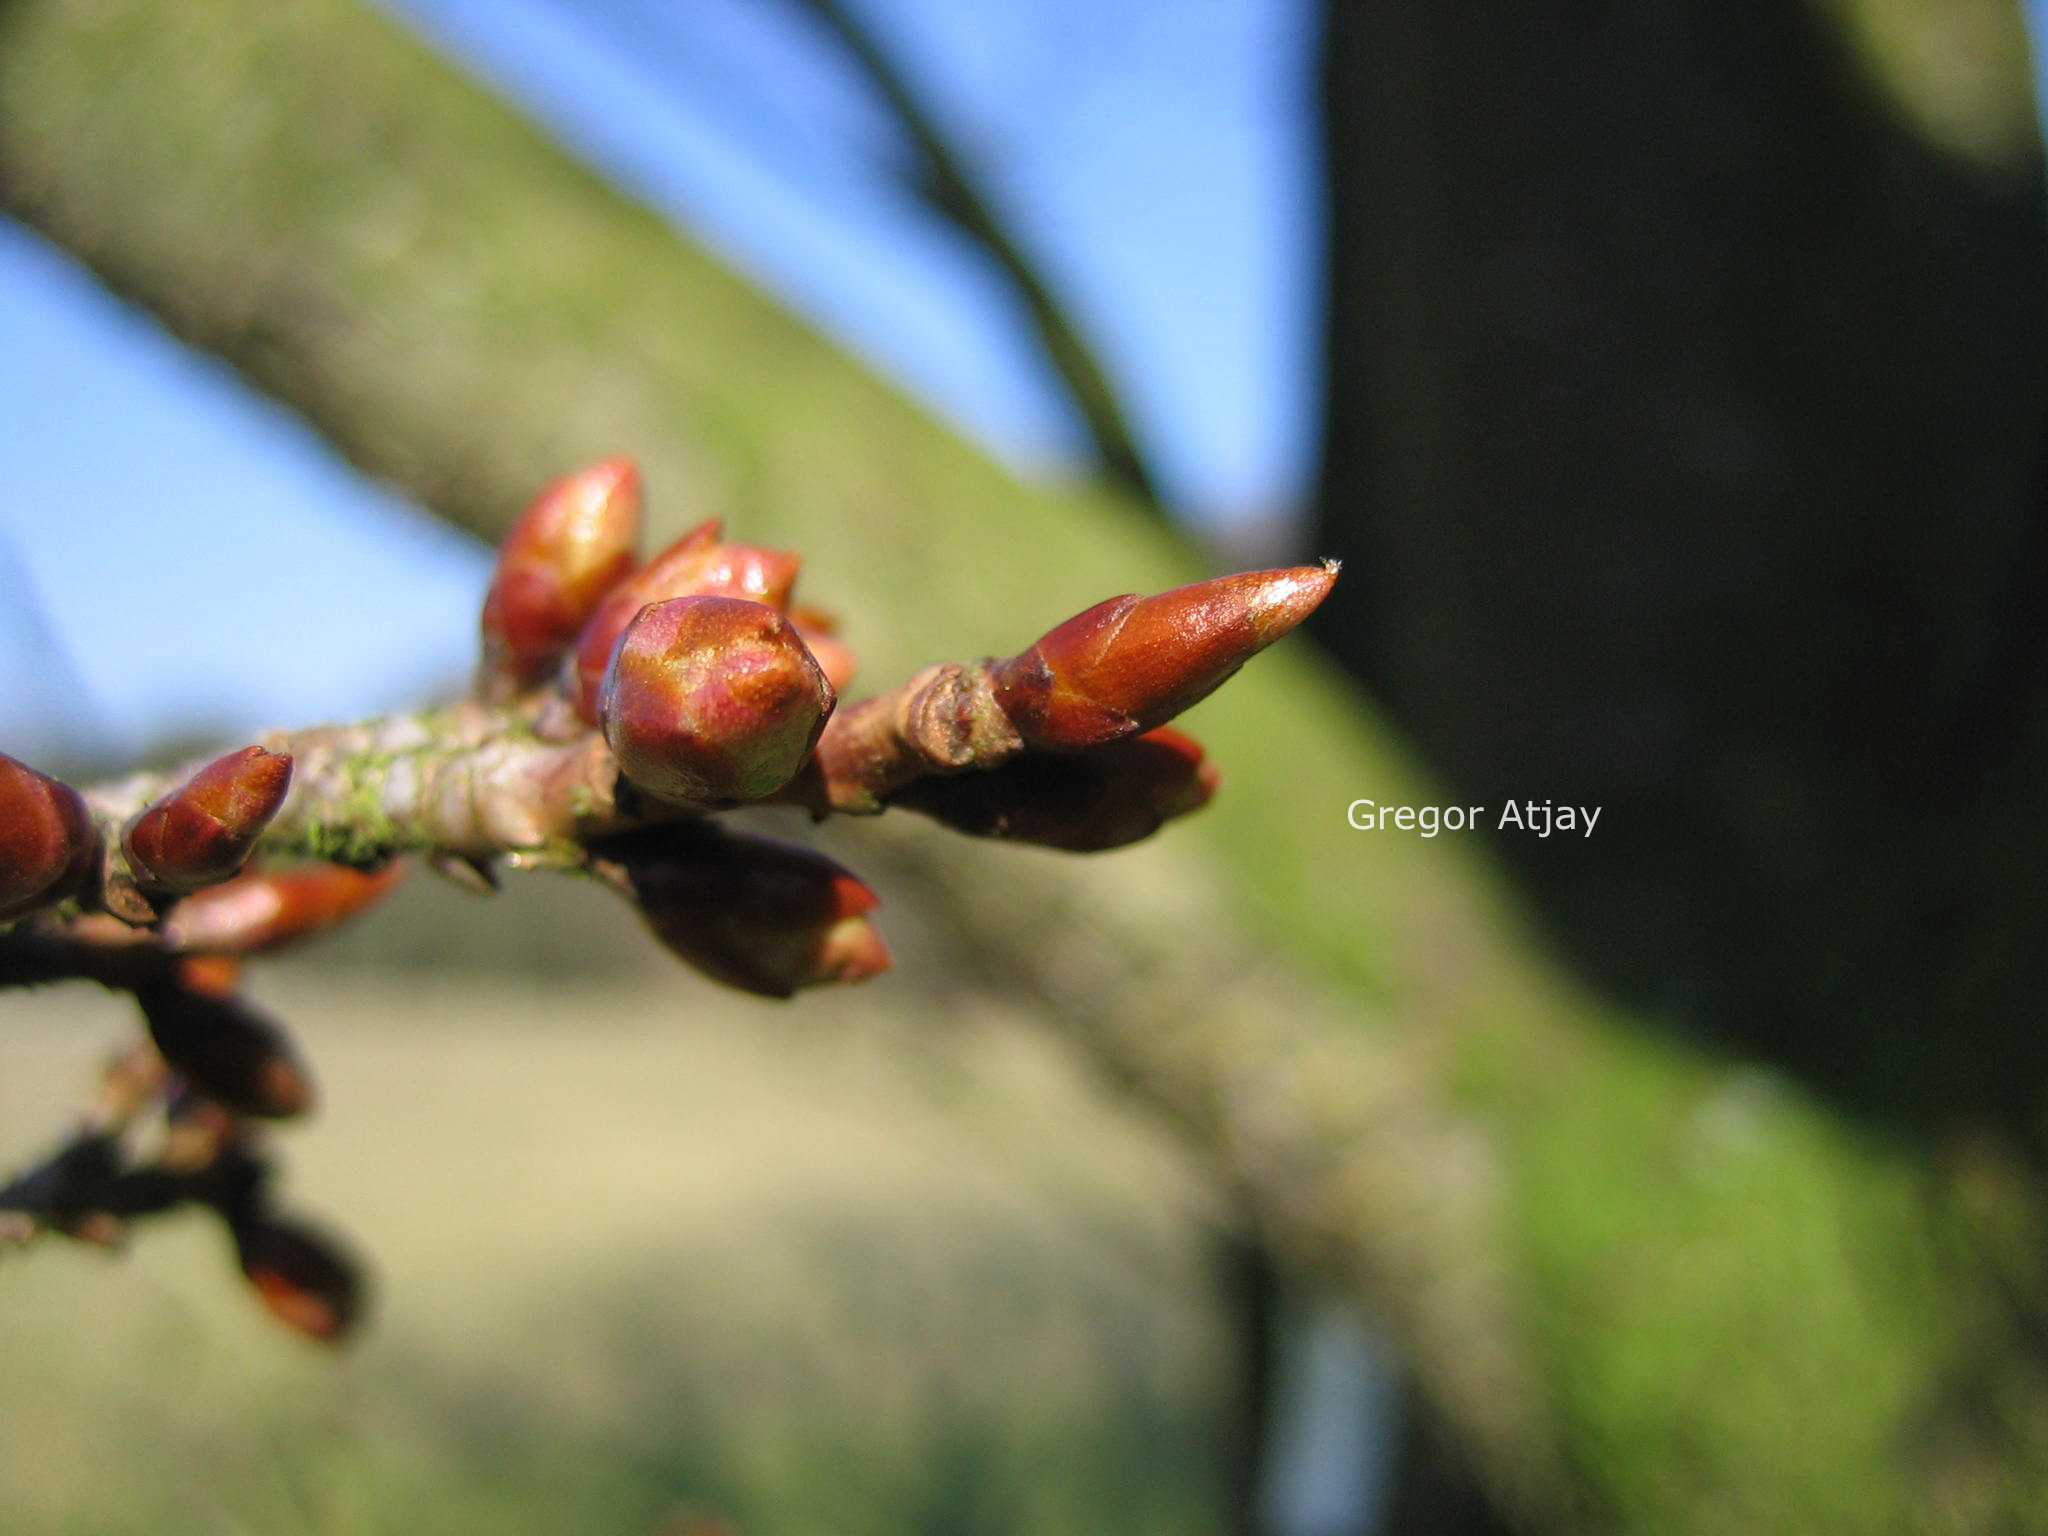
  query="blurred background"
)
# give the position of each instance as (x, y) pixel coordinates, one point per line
(1671, 379)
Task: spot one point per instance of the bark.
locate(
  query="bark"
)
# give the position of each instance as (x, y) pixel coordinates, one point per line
(1575, 1232)
(1688, 400)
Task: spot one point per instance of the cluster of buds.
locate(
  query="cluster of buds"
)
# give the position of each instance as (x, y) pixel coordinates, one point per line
(618, 708)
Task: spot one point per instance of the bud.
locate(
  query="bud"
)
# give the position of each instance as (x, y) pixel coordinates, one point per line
(1133, 663)
(197, 1130)
(570, 547)
(303, 1276)
(1083, 802)
(46, 839)
(696, 565)
(267, 909)
(672, 573)
(227, 1050)
(129, 1081)
(764, 916)
(711, 700)
(202, 832)
(819, 632)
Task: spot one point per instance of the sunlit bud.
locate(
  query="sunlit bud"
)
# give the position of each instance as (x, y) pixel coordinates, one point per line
(711, 700)
(1083, 802)
(569, 548)
(215, 975)
(46, 839)
(227, 1050)
(201, 832)
(303, 1276)
(674, 572)
(266, 909)
(819, 632)
(1133, 663)
(763, 916)
(747, 570)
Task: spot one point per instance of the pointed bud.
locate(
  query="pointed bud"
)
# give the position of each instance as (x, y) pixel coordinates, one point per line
(46, 839)
(266, 909)
(570, 547)
(1082, 802)
(819, 632)
(202, 832)
(672, 573)
(303, 1276)
(711, 700)
(227, 1050)
(764, 916)
(696, 565)
(1133, 663)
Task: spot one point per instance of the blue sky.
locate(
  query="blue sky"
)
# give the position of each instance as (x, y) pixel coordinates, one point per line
(178, 555)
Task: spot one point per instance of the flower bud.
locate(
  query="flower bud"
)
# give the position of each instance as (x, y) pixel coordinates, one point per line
(227, 1050)
(712, 700)
(202, 832)
(303, 1276)
(764, 916)
(267, 909)
(672, 573)
(1133, 663)
(696, 565)
(47, 839)
(570, 547)
(1082, 802)
(819, 632)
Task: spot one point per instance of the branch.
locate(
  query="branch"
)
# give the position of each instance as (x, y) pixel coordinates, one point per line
(953, 190)
(708, 698)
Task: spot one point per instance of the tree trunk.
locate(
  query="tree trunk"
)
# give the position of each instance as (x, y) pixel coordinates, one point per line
(1688, 399)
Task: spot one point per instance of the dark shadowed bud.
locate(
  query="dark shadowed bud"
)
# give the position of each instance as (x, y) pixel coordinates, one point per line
(202, 831)
(226, 1049)
(197, 1130)
(129, 1081)
(1083, 802)
(711, 700)
(46, 839)
(303, 1275)
(763, 916)
(570, 547)
(267, 909)
(1133, 663)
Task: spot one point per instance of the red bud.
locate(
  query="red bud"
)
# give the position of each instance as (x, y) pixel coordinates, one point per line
(672, 573)
(1083, 802)
(227, 1050)
(302, 1275)
(764, 916)
(710, 700)
(1133, 663)
(696, 565)
(202, 832)
(265, 909)
(46, 839)
(819, 632)
(570, 547)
